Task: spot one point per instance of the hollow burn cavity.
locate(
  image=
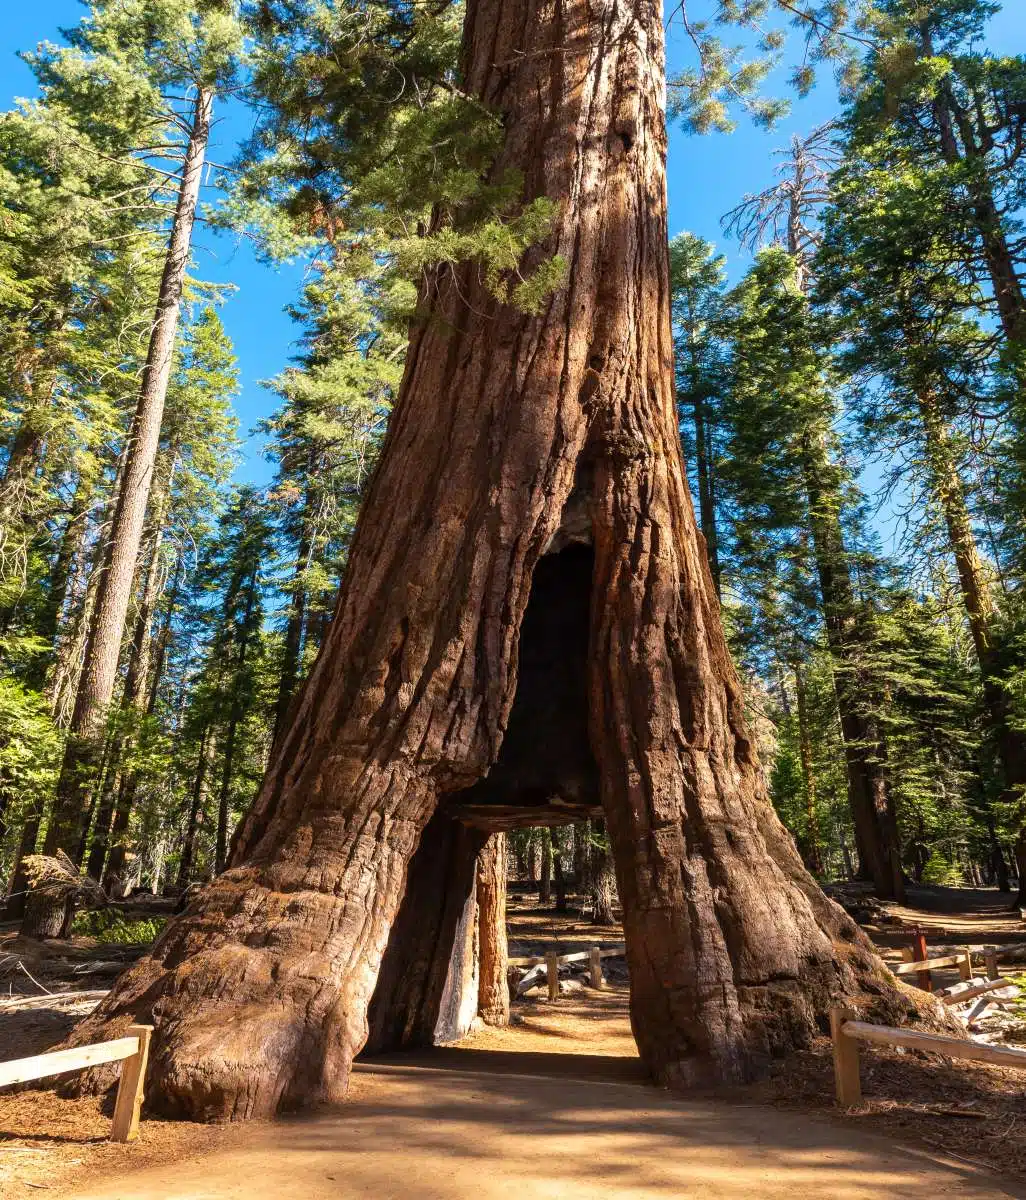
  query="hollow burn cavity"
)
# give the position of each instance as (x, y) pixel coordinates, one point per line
(546, 772)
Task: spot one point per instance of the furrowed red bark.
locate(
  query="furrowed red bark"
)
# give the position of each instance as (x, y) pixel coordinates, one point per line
(493, 988)
(259, 992)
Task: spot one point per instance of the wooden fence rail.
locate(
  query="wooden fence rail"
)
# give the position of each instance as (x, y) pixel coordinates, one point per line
(847, 1031)
(548, 968)
(132, 1050)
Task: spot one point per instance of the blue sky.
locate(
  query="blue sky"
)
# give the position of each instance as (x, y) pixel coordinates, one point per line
(707, 176)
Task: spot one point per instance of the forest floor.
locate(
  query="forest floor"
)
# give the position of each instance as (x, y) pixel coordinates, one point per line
(554, 1106)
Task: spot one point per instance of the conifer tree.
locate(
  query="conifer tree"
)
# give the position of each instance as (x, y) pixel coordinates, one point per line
(891, 256)
(184, 45)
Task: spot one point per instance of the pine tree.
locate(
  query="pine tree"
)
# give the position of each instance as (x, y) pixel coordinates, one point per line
(888, 266)
(697, 277)
(184, 45)
(325, 439)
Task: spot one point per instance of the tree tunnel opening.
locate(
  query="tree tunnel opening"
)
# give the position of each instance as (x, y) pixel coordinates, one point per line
(546, 773)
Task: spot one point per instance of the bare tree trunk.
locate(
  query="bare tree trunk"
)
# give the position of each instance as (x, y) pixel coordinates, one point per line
(88, 722)
(545, 874)
(603, 889)
(199, 791)
(558, 877)
(259, 992)
(234, 718)
(493, 988)
(136, 679)
(582, 854)
(15, 904)
(71, 547)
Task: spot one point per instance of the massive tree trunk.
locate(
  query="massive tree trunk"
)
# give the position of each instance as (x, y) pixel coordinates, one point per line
(493, 986)
(259, 992)
(107, 626)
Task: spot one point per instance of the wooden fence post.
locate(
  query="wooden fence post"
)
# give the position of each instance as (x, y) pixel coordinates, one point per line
(130, 1088)
(990, 957)
(595, 964)
(920, 954)
(552, 970)
(965, 967)
(846, 1060)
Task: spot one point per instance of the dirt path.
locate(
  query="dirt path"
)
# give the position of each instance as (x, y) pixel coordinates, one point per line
(450, 1135)
(554, 1106)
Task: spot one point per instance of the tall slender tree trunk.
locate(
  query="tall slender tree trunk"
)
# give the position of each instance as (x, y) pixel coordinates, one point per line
(69, 650)
(259, 992)
(103, 650)
(559, 878)
(199, 791)
(1009, 741)
(136, 679)
(293, 648)
(869, 796)
(17, 893)
(234, 717)
(706, 494)
(493, 985)
(545, 874)
(870, 799)
(72, 544)
(603, 886)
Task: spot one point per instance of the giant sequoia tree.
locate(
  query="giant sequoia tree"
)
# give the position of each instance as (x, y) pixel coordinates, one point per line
(518, 439)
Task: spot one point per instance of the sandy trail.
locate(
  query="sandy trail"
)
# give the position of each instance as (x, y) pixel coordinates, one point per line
(451, 1134)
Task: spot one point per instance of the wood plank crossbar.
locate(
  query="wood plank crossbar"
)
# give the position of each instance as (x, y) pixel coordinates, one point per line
(578, 956)
(133, 1051)
(25, 1070)
(978, 989)
(847, 1032)
(929, 964)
